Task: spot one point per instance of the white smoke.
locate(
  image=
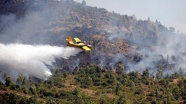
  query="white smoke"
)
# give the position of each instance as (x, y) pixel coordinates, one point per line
(30, 60)
(34, 27)
(167, 50)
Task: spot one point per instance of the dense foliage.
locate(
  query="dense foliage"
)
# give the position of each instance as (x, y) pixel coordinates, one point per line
(94, 85)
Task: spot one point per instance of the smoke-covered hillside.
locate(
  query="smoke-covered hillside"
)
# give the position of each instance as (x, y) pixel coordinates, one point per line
(117, 39)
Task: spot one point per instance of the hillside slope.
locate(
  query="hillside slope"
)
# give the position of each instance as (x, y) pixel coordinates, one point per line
(137, 44)
(94, 85)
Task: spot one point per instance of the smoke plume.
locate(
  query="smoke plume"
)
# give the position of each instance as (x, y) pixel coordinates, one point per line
(30, 60)
(167, 53)
(33, 28)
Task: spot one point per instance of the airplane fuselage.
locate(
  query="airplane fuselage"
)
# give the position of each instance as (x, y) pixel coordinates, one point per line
(79, 45)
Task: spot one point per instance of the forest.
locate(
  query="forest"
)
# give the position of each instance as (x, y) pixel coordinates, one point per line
(91, 84)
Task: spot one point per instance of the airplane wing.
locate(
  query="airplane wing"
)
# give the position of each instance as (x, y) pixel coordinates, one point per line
(86, 48)
(77, 40)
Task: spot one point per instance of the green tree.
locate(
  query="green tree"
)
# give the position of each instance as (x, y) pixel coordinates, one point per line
(98, 69)
(176, 93)
(168, 99)
(103, 100)
(33, 100)
(159, 74)
(122, 100)
(8, 81)
(65, 74)
(33, 89)
(120, 69)
(146, 73)
(76, 91)
(118, 89)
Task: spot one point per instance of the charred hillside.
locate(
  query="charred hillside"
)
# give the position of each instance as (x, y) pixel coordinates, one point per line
(133, 61)
(81, 20)
(116, 38)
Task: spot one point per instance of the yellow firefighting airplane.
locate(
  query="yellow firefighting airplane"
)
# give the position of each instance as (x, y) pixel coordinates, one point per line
(80, 44)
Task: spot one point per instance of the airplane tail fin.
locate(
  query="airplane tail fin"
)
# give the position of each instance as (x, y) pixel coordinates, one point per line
(69, 40)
